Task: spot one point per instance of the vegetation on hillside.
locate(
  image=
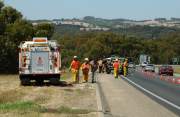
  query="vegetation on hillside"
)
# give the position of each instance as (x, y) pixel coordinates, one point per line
(105, 44)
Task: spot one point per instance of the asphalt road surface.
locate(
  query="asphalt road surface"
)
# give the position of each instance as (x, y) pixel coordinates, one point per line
(168, 93)
(120, 98)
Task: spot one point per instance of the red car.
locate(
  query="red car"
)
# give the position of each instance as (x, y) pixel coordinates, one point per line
(166, 69)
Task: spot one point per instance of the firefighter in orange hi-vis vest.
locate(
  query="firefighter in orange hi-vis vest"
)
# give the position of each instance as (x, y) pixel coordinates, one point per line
(85, 69)
(74, 68)
(116, 68)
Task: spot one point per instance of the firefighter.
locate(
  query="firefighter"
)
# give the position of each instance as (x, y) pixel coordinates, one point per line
(74, 68)
(116, 68)
(85, 69)
(125, 67)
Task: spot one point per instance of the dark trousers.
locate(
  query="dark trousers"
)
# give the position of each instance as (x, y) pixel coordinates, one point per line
(100, 69)
(93, 77)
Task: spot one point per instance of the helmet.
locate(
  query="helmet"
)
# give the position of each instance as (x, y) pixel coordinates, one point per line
(116, 59)
(86, 59)
(126, 59)
(75, 57)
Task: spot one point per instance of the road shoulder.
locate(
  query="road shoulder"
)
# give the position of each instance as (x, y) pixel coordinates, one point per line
(125, 100)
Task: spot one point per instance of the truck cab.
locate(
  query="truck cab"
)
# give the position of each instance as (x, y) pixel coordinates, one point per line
(39, 60)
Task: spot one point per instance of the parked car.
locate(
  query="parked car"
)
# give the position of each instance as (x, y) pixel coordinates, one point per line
(166, 69)
(149, 67)
(109, 66)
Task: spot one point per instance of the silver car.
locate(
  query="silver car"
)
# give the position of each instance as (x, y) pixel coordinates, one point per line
(149, 67)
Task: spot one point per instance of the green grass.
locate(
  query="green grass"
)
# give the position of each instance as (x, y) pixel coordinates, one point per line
(31, 107)
(21, 106)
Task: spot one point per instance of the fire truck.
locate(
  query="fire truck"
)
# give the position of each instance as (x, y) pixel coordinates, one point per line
(39, 60)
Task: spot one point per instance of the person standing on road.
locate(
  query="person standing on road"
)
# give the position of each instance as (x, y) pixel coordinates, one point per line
(74, 68)
(125, 67)
(94, 67)
(85, 69)
(116, 68)
(100, 63)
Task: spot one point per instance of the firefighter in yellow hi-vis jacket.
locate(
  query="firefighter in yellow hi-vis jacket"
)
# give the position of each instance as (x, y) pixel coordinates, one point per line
(125, 65)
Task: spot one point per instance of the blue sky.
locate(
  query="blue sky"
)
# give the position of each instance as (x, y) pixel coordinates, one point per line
(129, 9)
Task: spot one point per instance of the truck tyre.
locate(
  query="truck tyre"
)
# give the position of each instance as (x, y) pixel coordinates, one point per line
(25, 81)
(54, 81)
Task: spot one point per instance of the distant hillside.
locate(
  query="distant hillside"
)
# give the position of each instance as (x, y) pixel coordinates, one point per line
(135, 31)
(67, 29)
(146, 31)
(110, 23)
(150, 29)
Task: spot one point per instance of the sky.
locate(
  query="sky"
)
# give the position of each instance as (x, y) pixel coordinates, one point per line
(110, 9)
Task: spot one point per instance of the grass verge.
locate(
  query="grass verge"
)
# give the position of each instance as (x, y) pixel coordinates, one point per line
(67, 110)
(21, 106)
(177, 70)
(28, 107)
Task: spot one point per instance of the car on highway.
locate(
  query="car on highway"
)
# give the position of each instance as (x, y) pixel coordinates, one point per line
(166, 69)
(149, 67)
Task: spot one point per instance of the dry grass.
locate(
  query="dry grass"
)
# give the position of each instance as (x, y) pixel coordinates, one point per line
(47, 101)
(177, 70)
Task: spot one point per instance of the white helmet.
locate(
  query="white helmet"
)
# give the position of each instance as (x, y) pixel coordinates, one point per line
(75, 57)
(86, 59)
(116, 59)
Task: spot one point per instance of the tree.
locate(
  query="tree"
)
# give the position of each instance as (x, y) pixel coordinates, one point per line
(10, 15)
(20, 30)
(44, 30)
(1, 5)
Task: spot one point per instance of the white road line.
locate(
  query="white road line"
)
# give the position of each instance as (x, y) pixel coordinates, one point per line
(99, 104)
(153, 94)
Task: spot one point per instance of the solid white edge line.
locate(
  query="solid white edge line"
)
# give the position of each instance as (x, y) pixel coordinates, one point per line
(153, 94)
(99, 103)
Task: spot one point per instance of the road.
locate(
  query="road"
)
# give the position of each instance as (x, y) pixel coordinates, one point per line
(120, 98)
(164, 89)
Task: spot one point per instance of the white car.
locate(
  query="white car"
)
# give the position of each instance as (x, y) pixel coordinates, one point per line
(149, 67)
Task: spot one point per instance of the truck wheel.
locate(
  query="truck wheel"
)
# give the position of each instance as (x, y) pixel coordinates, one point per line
(25, 81)
(54, 81)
